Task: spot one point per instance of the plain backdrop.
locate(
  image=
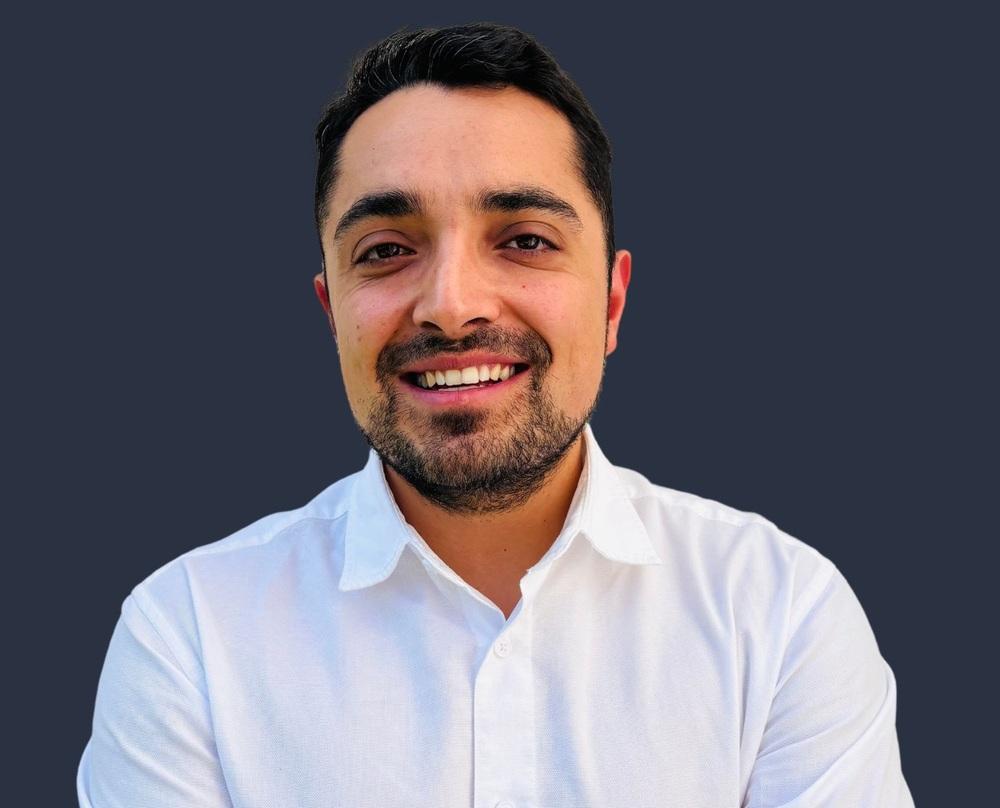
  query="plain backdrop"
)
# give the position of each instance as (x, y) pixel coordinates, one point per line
(806, 195)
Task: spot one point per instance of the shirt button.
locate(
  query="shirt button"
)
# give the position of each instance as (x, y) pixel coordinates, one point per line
(501, 648)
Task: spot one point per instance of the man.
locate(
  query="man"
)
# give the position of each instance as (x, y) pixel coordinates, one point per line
(490, 613)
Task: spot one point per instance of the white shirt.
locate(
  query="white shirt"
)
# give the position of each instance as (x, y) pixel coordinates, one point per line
(667, 650)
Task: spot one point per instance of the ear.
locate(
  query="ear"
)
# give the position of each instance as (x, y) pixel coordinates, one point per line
(621, 273)
(323, 294)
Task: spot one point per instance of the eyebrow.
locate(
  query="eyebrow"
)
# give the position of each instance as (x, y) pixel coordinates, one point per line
(398, 202)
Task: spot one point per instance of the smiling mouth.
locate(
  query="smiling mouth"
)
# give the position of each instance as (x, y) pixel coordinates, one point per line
(455, 380)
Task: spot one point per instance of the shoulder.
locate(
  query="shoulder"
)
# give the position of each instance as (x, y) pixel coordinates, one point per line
(229, 574)
(270, 534)
(743, 554)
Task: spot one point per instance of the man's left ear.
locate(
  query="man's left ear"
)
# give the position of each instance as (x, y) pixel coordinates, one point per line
(620, 275)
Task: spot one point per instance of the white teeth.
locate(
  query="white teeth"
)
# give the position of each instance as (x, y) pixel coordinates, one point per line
(466, 376)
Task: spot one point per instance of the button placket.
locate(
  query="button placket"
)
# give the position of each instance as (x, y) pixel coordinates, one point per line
(504, 720)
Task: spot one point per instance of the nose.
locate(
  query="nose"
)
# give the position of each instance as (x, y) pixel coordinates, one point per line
(457, 292)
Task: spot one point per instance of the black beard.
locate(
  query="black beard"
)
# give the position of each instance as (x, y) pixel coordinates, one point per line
(475, 472)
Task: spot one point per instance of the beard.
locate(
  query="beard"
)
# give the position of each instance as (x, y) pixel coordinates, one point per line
(474, 459)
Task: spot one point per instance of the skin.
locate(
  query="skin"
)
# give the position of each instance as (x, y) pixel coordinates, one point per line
(458, 273)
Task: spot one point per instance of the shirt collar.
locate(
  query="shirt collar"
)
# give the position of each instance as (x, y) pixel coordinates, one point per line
(377, 532)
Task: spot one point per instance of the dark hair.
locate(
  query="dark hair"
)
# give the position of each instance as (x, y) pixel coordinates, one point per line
(478, 54)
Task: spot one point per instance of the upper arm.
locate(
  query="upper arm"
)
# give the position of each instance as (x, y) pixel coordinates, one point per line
(830, 737)
(152, 744)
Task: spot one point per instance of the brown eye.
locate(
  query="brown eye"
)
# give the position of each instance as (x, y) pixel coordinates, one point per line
(528, 242)
(380, 252)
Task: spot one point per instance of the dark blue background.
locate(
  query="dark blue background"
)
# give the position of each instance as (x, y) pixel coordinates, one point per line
(806, 335)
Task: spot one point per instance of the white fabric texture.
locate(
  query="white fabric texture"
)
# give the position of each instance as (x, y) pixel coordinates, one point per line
(668, 650)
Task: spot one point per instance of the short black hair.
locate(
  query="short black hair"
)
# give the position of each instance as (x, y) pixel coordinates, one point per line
(481, 54)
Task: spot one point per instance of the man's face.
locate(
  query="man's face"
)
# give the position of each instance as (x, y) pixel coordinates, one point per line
(459, 270)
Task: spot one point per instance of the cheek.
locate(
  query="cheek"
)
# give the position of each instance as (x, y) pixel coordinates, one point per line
(586, 359)
(366, 323)
(571, 319)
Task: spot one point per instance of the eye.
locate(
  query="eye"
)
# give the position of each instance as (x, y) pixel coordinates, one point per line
(527, 243)
(385, 251)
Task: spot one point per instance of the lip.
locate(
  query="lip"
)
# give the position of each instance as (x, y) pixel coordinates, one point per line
(476, 395)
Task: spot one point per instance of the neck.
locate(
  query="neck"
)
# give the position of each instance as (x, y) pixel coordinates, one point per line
(491, 552)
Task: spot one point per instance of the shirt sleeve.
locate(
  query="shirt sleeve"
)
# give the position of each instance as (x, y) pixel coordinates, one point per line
(152, 744)
(830, 737)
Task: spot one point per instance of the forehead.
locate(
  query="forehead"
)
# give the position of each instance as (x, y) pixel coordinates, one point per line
(450, 143)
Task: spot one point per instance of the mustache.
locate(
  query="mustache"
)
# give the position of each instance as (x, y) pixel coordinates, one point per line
(528, 345)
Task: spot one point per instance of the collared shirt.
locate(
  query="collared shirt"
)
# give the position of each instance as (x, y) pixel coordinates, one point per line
(668, 650)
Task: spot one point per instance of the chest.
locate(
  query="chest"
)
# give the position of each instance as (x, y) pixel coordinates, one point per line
(585, 709)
